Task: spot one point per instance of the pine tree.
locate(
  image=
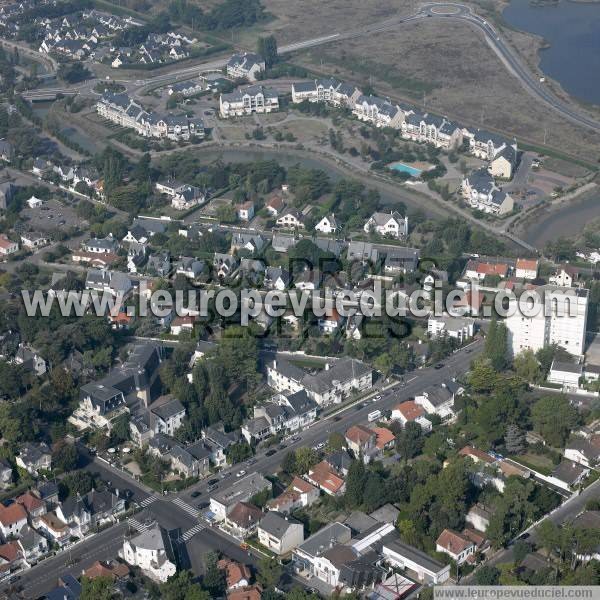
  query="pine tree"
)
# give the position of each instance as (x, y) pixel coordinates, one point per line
(514, 440)
(355, 483)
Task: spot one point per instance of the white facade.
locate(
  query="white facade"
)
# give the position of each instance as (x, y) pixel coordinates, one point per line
(560, 318)
(390, 225)
(249, 100)
(326, 225)
(459, 328)
(147, 551)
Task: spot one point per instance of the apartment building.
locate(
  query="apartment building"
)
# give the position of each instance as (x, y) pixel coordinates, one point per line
(330, 91)
(248, 100)
(480, 190)
(246, 65)
(431, 129)
(120, 109)
(379, 112)
(555, 315)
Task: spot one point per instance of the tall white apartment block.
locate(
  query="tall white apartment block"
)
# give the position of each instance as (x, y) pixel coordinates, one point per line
(560, 317)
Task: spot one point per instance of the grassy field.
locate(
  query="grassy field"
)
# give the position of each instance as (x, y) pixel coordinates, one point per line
(460, 76)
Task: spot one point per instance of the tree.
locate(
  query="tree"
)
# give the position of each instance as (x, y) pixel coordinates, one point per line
(355, 483)
(553, 418)
(181, 586)
(496, 349)
(520, 550)
(514, 440)
(64, 457)
(372, 496)
(305, 459)
(269, 572)
(410, 441)
(487, 575)
(267, 48)
(527, 366)
(98, 588)
(548, 536)
(408, 531)
(288, 464)
(336, 441)
(238, 453)
(214, 578)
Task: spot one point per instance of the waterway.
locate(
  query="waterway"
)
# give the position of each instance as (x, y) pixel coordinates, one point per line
(572, 30)
(566, 221)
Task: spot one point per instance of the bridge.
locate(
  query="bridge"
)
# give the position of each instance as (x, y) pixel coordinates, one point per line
(41, 95)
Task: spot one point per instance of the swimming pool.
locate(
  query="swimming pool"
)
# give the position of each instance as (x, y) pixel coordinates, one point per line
(412, 171)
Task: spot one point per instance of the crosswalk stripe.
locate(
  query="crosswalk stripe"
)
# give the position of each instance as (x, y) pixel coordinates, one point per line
(147, 501)
(185, 506)
(190, 533)
(135, 524)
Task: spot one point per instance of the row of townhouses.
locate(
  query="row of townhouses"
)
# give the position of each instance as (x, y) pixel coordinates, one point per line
(414, 124)
(123, 111)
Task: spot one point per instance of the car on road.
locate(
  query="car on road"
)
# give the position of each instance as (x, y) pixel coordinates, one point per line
(251, 461)
(337, 418)
(378, 397)
(203, 504)
(296, 438)
(226, 474)
(240, 473)
(195, 494)
(211, 488)
(439, 366)
(213, 481)
(270, 452)
(282, 446)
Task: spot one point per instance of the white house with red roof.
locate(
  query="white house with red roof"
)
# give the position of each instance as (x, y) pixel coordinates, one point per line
(456, 545)
(410, 411)
(7, 246)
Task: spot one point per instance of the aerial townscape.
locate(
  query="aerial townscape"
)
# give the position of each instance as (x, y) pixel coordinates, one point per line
(298, 300)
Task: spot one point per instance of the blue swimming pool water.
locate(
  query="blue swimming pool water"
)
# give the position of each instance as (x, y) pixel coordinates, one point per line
(398, 166)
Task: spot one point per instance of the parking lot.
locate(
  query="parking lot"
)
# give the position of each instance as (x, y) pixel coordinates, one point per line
(52, 215)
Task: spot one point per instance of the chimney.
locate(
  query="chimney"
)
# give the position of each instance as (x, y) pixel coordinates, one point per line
(327, 367)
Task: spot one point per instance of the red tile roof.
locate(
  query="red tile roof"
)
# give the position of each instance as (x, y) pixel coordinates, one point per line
(245, 515)
(235, 572)
(9, 515)
(112, 570)
(10, 551)
(500, 269)
(29, 501)
(527, 264)
(325, 478)
(384, 436)
(410, 410)
(359, 434)
(453, 542)
(302, 485)
(252, 592)
(476, 454)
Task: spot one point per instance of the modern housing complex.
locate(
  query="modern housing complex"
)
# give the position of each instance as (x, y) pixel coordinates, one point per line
(248, 100)
(123, 111)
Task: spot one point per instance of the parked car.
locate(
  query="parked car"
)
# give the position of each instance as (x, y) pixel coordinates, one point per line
(213, 481)
(240, 473)
(270, 452)
(195, 494)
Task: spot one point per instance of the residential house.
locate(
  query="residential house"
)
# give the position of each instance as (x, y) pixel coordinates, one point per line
(76, 514)
(280, 534)
(115, 283)
(224, 265)
(504, 162)
(275, 205)
(583, 449)
(328, 224)
(299, 494)
(246, 65)
(439, 399)
(330, 385)
(361, 441)
(526, 268)
(33, 545)
(325, 478)
(285, 412)
(308, 558)
(276, 278)
(12, 519)
(245, 211)
(33, 240)
(479, 517)
(400, 260)
(567, 374)
(54, 529)
(385, 439)
(458, 328)
(568, 474)
(34, 457)
(329, 90)
(33, 504)
(151, 551)
(480, 190)
(6, 474)
(237, 575)
(168, 414)
(253, 242)
(410, 411)
(190, 268)
(431, 129)
(242, 521)
(31, 360)
(7, 246)
(291, 219)
(388, 225)
(223, 501)
(456, 545)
